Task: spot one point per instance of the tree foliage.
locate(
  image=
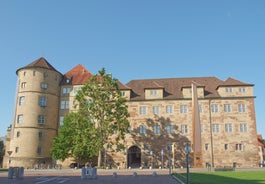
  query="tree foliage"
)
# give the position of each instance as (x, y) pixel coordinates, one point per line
(2, 150)
(100, 121)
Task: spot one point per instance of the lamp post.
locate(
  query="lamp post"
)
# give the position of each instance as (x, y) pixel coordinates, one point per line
(187, 151)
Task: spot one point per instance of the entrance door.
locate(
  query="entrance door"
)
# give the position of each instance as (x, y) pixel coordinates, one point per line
(134, 157)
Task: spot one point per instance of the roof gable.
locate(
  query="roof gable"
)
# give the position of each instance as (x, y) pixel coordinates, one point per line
(39, 63)
(77, 75)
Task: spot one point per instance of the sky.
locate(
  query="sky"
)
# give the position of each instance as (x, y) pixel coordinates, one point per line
(135, 39)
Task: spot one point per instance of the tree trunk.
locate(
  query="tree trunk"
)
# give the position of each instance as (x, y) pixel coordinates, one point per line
(99, 158)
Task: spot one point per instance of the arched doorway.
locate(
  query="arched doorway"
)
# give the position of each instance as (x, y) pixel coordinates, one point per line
(134, 157)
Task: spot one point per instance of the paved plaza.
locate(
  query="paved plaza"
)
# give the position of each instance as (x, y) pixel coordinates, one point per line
(72, 176)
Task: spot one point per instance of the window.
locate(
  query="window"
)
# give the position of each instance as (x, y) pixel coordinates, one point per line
(39, 150)
(20, 118)
(228, 90)
(76, 89)
(184, 129)
(34, 73)
(243, 127)
(45, 74)
(228, 127)
(200, 108)
(23, 85)
(18, 133)
(16, 149)
(130, 130)
(226, 146)
(215, 128)
(183, 109)
(42, 101)
(66, 90)
(242, 90)
(170, 129)
(40, 135)
(41, 119)
(64, 104)
(44, 85)
(142, 129)
(169, 109)
(156, 129)
(155, 110)
(214, 108)
(169, 147)
(202, 128)
(206, 147)
(227, 108)
(24, 73)
(146, 147)
(153, 92)
(241, 107)
(61, 120)
(143, 110)
(239, 147)
(123, 93)
(21, 100)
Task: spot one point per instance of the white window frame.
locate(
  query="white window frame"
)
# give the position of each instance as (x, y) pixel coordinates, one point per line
(142, 110)
(156, 129)
(184, 129)
(215, 128)
(142, 129)
(21, 100)
(156, 110)
(170, 129)
(183, 109)
(20, 118)
(241, 107)
(169, 109)
(214, 107)
(43, 101)
(227, 108)
(243, 127)
(228, 127)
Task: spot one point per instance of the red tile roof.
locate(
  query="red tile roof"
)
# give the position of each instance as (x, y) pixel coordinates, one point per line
(39, 63)
(77, 75)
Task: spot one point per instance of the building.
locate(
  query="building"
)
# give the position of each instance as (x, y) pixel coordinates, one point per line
(261, 150)
(160, 119)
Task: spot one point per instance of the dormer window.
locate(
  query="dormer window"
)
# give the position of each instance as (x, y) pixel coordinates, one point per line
(228, 90)
(153, 92)
(67, 81)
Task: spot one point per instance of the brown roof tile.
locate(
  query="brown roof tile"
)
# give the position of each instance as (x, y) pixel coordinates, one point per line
(39, 63)
(233, 82)
(173, 86)
(77, 75)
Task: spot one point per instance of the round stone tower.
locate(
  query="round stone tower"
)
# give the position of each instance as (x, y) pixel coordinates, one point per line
(36, 115)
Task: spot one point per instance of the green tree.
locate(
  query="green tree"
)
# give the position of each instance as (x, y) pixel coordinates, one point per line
(2, 151)
(100, 121)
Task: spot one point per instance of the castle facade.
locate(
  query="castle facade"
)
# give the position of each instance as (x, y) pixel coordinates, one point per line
(160, 119)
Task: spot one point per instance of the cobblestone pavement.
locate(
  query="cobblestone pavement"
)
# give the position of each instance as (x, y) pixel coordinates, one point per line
(72, 176)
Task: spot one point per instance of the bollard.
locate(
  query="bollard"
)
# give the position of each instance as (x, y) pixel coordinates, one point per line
(94, 173)
(20, 172)
(83, 173)
(114, 175)
(89, 172)
(10, 172)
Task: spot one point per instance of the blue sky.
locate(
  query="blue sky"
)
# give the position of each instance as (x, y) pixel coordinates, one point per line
(135, 39)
